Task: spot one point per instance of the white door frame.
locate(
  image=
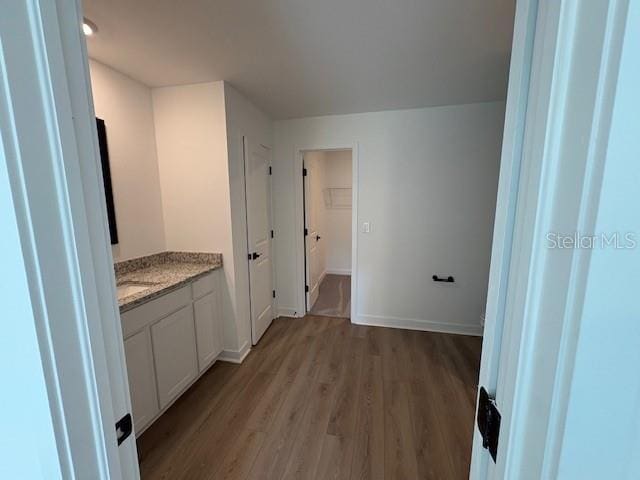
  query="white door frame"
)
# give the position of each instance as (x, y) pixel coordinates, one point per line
(61, 214)
(532, 326)
(299, 221)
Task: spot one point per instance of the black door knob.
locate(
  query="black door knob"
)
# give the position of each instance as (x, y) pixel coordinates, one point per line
(318, 237)
(255, 255)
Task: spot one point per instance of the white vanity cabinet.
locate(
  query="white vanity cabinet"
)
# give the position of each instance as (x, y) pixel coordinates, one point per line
(142, 384)
(174, 353)
(208, 319)
(169, 342)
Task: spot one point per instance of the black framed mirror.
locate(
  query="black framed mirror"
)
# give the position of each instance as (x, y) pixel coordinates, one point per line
(106, 177)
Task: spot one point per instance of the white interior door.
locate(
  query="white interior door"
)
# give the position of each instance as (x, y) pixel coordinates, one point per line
(558, 149)
(48, 143)
(258, 191)
(312, 234)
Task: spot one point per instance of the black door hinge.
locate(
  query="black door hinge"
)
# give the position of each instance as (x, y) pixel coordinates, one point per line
(273, 293)
(270, 171)
(488, 422)
(271, 233)
(306, 288)
(124, 427)
(306, 232)
(304, 172)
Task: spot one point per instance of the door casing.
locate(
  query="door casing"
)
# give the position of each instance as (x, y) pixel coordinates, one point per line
(300, 254)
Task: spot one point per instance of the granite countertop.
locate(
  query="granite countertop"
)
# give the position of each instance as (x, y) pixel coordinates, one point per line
(161, 273)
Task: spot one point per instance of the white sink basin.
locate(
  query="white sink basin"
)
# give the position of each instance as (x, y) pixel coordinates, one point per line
(127, 289)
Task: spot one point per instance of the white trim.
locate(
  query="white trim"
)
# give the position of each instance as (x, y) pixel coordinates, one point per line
(235, 356)
(63, 226)
(289, 312)
(298, 153)
(557, 192)
(324, 274)
(338, 271)
(418, 324)
(601, 125)
(508, 185)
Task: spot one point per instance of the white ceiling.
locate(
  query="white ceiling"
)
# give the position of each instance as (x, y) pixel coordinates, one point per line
(297, 58)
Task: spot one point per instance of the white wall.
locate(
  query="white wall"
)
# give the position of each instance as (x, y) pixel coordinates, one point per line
(337, 228)
(200, 153)
(427, 184)
(126, 107)
(194, 176)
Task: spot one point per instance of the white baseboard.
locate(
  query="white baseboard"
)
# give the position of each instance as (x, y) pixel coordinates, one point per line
(338, 271)
(289, 312)
(235, 356)
(422, 325)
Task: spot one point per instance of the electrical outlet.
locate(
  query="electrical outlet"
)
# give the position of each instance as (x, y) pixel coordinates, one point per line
(366, 227)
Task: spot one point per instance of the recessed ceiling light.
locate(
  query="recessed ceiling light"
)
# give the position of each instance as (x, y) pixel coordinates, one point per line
(88, 27)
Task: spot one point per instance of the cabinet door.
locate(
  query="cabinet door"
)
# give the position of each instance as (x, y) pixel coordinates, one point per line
(208, 329)
(142, 383)
(174, 351)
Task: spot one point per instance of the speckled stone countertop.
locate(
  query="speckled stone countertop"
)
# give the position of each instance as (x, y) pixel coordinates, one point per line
(162, 273)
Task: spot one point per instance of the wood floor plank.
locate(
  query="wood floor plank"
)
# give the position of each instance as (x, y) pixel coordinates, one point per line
(203, 459)
(432, 455)
(343, 414)
(263, 415)
(242, 454)
(335, 459)
(368, 454)
(319, 398)
(278, 444)
(305, 456)
(331, 371)
(456, 418)
(400, 452)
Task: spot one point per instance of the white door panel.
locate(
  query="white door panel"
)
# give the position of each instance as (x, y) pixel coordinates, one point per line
(258, 192)
(174, 353)
(312, 197)
(142, 381)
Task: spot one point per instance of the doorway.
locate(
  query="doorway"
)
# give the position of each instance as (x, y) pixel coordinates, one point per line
(328, 225)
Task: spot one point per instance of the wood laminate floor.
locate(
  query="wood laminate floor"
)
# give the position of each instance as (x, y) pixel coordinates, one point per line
(320, 398)
(334, 298)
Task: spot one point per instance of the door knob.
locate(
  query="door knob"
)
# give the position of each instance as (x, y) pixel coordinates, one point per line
(318, 237)
(255, 255)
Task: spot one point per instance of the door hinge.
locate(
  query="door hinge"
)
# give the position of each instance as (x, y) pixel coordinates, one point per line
(124, 427)
(304, 172)
(306, 232)
(306, 288)
(488, 422)
(272, 233)
(270, 171)
(273, 293)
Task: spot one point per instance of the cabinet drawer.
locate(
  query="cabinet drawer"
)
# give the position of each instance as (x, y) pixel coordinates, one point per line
(137, 318)
(204, 285)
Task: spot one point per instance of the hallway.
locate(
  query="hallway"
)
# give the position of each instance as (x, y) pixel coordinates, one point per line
(322, 398)
(334, 299)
